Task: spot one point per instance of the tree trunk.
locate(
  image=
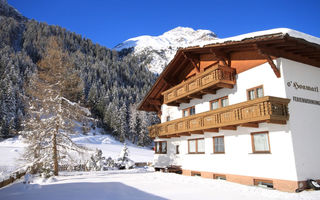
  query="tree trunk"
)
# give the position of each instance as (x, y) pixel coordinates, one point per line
(55, 153)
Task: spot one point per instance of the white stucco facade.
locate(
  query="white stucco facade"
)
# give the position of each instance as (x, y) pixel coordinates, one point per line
(294, 147)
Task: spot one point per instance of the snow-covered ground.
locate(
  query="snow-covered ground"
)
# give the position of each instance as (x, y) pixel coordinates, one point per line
(141, 184)
(10, 153)
(125, 184)
(12, 149)
(111, 147)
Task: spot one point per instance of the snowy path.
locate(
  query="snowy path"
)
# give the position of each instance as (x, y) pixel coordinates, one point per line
(142, 185)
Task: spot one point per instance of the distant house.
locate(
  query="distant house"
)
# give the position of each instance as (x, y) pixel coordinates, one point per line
(245, 109)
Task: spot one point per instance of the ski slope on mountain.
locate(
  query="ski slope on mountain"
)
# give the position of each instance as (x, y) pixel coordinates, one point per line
(161, 49)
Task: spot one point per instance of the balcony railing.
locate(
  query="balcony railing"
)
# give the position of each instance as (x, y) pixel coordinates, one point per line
(207, 82)
(250, 113)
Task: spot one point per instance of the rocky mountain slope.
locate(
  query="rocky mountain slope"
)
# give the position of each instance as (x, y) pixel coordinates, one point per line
(161, 49)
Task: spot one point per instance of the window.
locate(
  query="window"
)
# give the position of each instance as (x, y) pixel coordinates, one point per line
(218, 144)
(214, 104)
(196, 146)
(195, 173)
(185, 113)
(161, 147)
(224, 102)
(260, 142)
(219, 176)
(192, 110)
(255, 92)
(263, 183)
(177, 149)
(188, 111)
(168, 118)
(219, 103)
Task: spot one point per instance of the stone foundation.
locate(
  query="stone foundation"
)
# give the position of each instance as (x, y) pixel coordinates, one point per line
(278, 184)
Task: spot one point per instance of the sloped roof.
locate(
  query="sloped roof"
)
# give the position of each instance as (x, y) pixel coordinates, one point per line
(285, 43)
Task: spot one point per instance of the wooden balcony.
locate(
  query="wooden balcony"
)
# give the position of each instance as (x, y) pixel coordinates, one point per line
(204, 83)
(246, 114)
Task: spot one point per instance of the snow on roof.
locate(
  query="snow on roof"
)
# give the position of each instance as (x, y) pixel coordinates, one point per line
(290, 32)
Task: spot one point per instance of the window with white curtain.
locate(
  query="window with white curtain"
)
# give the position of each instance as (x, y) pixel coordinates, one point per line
(224, 102)
(196, 146)
(251, 94)
(219, 103)
(161, 147)
(260, 142)
(256, 92)
(200, 146)
(214, 105)
(259, 92)
(218, 144)
(192, 146)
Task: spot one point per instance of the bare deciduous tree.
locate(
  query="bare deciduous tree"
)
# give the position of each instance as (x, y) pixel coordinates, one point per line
(52, 116)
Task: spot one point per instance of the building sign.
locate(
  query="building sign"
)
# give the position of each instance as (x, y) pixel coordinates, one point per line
(299, 86)
(304, 100)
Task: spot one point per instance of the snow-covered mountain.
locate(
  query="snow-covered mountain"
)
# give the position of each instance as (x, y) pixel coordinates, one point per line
(161, 49)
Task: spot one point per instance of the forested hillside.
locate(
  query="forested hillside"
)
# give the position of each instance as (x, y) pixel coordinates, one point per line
(113, 82)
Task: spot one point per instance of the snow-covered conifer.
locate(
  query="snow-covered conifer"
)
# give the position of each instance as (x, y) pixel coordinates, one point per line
(134, 125)
(123, 161)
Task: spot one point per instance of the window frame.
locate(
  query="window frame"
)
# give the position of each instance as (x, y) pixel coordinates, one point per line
(196, 141)
(177, 149)
(255, 89)
(252, 142)
(265, 182)
(219, 100)
(220, 176)
(160, 147)
(214, 150)
(188, 110)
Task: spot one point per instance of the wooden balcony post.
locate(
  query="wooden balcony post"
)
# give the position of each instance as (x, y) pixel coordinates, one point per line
(219, 74)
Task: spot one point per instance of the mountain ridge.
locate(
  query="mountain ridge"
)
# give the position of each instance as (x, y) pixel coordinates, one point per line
(9, 11)
(161, 49)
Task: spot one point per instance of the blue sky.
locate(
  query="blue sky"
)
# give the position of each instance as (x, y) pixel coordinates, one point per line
(109, 22)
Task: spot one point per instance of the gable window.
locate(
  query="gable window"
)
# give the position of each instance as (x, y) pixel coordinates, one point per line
(188, 111)
(255, 92)
(161, 147)
(196, 146)
(219, 103)
(260, 142)
(218, 144)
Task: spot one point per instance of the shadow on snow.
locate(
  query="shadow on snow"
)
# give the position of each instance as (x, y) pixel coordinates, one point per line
(76, 191)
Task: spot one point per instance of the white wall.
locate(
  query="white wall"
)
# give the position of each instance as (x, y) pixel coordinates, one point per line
(261, 75)
(171, 111)
(304, 118)
(294, 147)
(238, 157)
